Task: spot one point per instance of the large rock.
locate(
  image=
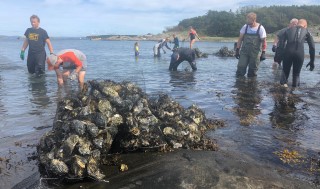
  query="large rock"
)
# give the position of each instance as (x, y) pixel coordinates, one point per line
(115, 117)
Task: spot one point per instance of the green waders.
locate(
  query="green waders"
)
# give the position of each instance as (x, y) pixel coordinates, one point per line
(249, 54)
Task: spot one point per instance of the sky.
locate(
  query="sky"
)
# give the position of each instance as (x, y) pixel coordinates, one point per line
(79, 18)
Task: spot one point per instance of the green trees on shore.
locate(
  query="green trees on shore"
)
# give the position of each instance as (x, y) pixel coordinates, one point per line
(228, 24)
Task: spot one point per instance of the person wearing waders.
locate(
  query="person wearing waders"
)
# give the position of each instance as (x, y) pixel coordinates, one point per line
(181, 54)
(36, 38)
(293, 44)
(251, 40)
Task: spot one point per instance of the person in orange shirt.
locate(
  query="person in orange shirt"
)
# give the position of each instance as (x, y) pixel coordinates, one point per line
(73, 64)
(193, 34)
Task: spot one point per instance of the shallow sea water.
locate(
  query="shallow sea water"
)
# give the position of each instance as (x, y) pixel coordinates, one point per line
(261, 118)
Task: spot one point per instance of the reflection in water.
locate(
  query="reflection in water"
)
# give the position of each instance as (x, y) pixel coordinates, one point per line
(2, 109)
(38, 90)
(182, 79)
(248, 99)
(284, 114)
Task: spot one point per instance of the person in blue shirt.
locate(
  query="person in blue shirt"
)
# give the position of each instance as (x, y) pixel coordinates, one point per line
(175, 42)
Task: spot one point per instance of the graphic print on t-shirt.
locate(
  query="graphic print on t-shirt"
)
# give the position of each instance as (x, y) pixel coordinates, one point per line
(33, 36)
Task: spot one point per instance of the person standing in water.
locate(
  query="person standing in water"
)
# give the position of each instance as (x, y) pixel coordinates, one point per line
(251, 40)
(193, 34)
(175, 42)
(136, 49)
(36, 38)
(73, 63)
(293, 44)
(278, 56)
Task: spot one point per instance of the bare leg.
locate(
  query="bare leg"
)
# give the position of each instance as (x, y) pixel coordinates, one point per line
(191, 43)
(81, 79)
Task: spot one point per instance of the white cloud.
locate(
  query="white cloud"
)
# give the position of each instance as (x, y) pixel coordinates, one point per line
(84, 17)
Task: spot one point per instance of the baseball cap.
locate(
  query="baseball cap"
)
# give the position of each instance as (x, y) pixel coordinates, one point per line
(51, 61)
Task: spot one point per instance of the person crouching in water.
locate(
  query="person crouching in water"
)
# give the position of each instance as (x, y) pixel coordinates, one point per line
(293, 44)
(181, 54)
(73, 64)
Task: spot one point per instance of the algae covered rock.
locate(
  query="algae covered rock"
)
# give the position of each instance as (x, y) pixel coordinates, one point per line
(225, 52)
(113, 117)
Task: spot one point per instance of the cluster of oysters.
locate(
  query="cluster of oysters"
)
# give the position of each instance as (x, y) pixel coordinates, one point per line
(110, 117)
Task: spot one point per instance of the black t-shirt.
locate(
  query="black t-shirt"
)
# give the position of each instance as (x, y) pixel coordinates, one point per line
(36, 39)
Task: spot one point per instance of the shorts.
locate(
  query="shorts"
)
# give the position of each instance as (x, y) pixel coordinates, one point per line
(192, 37)
(70, 66)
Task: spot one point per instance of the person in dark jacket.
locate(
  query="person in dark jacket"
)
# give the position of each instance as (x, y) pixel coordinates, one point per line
(175, 42)
(183, 54)
(278, 56)
(293, 44)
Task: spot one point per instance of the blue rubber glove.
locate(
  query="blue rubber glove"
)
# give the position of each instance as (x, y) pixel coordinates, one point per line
(22, 55)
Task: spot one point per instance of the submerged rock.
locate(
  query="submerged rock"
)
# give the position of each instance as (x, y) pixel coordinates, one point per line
(115, 117)
(200, 54)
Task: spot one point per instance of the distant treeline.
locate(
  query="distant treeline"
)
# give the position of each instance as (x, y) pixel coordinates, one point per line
(228, 24)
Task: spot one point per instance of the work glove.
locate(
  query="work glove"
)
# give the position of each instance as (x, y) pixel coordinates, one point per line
(22, 55)
(263, 56)
(73, 75)
(237, 53)
(311, 64)
(274, 48)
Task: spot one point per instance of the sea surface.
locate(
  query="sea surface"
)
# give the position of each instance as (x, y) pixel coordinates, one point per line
(259, 123)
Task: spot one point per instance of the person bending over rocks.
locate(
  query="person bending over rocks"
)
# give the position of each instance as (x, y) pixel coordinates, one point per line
(181, 54)
(73, 64)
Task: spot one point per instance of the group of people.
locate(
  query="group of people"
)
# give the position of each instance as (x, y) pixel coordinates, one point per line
(288, 47)
(179, 54)
(68, 63)
(250, 50)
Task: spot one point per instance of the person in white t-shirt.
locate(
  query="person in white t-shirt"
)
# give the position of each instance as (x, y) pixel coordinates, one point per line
(251, 42)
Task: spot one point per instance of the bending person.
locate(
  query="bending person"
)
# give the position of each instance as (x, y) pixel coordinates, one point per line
(160, 45)
(180, 55)
(294, 39)
(73, 63)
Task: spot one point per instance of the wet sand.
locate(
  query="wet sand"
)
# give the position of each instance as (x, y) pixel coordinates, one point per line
(177, 169)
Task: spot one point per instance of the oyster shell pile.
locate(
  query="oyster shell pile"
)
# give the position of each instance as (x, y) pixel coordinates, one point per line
(113, 117)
